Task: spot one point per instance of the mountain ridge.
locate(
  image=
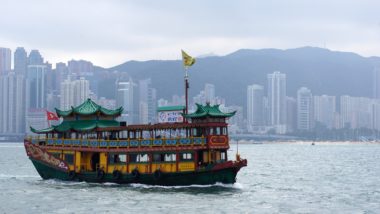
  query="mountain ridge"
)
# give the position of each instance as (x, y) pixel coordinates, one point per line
(321, 70)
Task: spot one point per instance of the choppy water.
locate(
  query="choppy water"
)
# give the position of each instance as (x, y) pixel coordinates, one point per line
(280, 178)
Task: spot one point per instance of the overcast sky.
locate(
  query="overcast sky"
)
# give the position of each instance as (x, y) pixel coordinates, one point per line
(112, 32)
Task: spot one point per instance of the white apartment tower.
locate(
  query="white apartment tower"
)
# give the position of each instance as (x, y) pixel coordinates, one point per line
(255, 113)
(277, 101)
(304, 109)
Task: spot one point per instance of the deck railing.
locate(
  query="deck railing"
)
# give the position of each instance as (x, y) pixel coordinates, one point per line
(120, 143)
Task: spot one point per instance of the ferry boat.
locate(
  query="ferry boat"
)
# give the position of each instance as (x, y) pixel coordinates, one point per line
(91, 145)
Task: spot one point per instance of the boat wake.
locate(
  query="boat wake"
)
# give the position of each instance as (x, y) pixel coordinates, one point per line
(235, 186)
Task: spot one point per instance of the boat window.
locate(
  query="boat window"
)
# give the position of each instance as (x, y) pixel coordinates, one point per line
(224, 131)
(137, 158)
(187, 156)
(69, 158)
(211, 132)
(223, 156)
(115, 158)
(157, 157)
(218, 132)
(170, 157)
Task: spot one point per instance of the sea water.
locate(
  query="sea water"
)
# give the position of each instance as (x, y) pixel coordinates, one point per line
(280, 178)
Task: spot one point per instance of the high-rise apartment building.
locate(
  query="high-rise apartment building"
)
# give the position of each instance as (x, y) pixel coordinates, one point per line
(325, 110)
(255, 113)
(12, 103)
(304, 109)
(36, 86)
(209, 93)
(74, 92)
(20, 61)
(127, 96)
(148, 102)
(277, 101)
(35, 58)
(5, 60)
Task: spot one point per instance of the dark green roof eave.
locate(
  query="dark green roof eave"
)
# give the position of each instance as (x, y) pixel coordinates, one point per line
(171, 108)
(42, 131)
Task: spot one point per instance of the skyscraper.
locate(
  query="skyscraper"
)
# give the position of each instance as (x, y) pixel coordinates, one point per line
(36, 80)
(5, 60)
(304, 109)
(74, 92)
(209, 93)
(291, 114)
(255, 116)
(325, 110)
(12, 103)
(20, 61)
(35, 58)
(277, 101)
(127, 96)
(148, 102)
(376, 83)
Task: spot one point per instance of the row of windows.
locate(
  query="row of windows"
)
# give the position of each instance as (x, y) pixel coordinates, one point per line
(118, 158)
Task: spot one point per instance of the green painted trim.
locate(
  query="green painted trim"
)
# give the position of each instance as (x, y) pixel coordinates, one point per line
(171, 108)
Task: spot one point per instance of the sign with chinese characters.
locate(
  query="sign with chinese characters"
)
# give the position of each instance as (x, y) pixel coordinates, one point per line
(170, 117)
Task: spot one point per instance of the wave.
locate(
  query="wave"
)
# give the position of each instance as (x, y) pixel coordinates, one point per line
(231, 186)
(236, 186)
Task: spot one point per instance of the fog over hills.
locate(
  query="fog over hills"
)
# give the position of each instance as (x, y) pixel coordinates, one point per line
(321, 70)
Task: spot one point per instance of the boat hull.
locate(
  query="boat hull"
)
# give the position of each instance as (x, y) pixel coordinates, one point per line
(200, 177)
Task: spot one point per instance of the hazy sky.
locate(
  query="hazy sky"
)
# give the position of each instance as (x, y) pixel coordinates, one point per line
(111, 32)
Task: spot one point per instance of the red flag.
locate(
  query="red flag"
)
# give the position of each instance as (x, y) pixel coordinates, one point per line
(51, 116)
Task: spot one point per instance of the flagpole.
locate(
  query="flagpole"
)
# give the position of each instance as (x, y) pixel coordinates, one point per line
(186, 93)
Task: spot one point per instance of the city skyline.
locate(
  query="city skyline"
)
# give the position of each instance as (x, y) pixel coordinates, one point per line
(269, 107)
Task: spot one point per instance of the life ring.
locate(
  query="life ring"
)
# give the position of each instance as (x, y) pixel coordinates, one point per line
(135, 174)
(157, 174)
(100, 174)
(72, 175)
(116, 174)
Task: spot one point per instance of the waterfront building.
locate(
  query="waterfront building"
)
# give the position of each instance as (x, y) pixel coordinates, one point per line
(35, 58)
(20, 61)
(12, 103)
(376, 82)
(304, 109)
(74, 92)
(356, 112)
(277, 101)
(80, 67)
(36, 81)
(209, 93)
(291, 114)
(148, 102)
(255, 113)
(5, 60)
(325, 110)
(127, 96)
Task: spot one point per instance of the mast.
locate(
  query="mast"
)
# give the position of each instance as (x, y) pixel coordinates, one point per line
(186, 94)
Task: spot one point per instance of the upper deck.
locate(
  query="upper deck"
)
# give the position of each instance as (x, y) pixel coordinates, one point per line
(92, 127)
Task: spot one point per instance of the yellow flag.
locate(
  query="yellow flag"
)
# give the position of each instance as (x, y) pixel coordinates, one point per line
(187, 60)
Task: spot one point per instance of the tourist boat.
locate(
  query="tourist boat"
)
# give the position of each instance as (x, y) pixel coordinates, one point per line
(91, 145)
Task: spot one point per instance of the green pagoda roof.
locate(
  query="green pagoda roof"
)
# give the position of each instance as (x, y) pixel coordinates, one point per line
(78, 125)
(171, 108)
(208, 111)
(89, 107)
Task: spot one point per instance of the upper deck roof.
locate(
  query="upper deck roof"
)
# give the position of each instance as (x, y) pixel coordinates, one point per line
(89, 107)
